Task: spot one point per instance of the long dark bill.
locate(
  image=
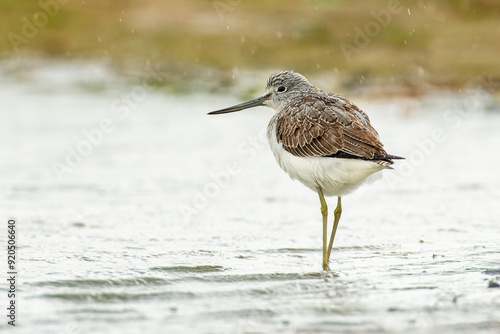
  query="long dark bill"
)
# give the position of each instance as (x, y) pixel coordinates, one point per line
(245, 105)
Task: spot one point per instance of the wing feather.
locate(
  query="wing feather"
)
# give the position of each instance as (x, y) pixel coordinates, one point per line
(324, 125)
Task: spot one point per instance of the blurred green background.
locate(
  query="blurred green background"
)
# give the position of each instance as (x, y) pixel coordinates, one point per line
(405, 43)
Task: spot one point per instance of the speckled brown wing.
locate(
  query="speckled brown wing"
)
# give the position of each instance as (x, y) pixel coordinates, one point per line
(326, 126)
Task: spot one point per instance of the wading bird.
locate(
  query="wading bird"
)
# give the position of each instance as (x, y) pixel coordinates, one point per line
(320, 139)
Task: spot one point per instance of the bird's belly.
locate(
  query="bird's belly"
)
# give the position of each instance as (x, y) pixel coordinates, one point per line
(336, 176)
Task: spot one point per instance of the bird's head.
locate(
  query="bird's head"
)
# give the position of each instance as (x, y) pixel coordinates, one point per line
(282, 88)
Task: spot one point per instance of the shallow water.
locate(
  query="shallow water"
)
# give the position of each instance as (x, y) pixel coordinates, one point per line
(181, 223)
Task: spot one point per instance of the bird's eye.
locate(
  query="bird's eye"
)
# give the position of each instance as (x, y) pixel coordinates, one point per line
(281, 89)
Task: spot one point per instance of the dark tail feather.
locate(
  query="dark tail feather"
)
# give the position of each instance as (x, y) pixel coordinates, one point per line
(391, 157)
(376, 156)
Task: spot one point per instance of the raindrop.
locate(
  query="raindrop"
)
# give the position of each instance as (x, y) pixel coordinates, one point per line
(132, 30)
(99, 39)
(405, 42)
(119, 19)
(227, 27)
(409, 11)
(278, 34)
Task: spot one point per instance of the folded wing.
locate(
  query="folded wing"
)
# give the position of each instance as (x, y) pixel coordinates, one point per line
(328, 126)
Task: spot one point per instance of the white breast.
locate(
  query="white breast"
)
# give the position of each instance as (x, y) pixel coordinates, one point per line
(337, 177)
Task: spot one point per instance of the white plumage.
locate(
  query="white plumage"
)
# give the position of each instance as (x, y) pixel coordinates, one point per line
(337, 177)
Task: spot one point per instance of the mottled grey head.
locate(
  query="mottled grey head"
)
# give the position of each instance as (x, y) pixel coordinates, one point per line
(282, 88)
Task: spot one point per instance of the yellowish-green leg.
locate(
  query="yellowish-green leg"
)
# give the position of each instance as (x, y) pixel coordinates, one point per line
(337, 213)
(324, 212)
